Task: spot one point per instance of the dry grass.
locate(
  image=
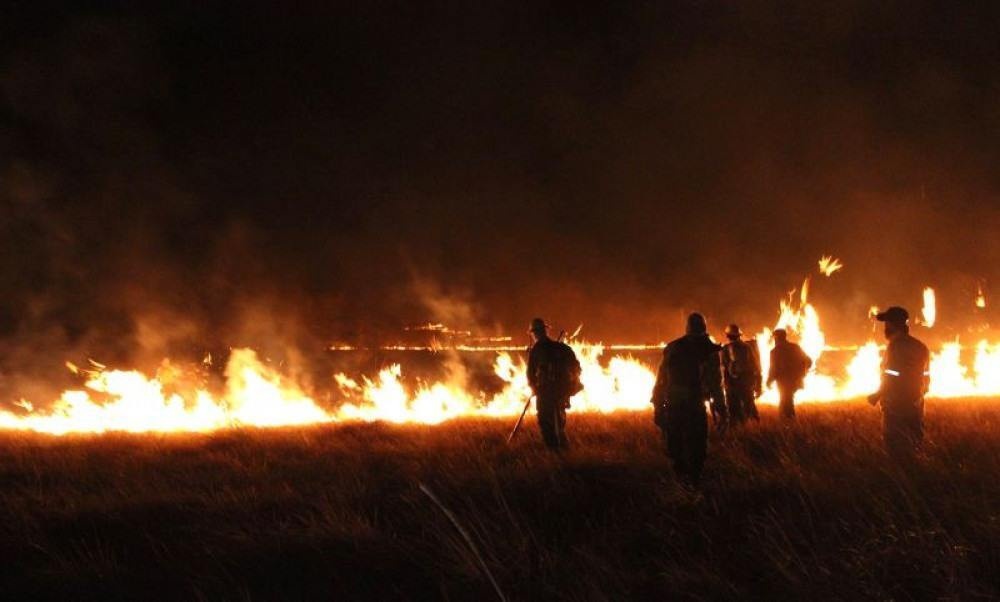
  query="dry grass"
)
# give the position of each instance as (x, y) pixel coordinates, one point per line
(816, 510)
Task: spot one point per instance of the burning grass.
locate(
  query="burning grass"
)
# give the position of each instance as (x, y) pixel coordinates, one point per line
(332, 511)
(256, 393)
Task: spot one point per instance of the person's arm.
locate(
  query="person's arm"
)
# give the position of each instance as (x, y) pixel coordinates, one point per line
(875, 397)
(773, 368)
(711, 376)
(532, 366)
(758, 377)
(662, 379)
(927, 371)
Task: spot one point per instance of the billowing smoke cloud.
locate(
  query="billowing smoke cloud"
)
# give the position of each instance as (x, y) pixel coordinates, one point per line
(176, 180)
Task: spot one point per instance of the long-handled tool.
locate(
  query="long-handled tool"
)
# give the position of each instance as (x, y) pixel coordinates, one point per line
(517, 425)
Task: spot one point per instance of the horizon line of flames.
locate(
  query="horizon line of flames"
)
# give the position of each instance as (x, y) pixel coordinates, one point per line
(256, 394)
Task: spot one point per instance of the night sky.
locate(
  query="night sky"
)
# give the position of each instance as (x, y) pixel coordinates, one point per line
(181, 175)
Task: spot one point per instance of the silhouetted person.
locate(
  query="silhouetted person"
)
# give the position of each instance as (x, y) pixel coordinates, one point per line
(905, 378)
(789, 366)
(554, 377)
(689, 374)
(742, 376)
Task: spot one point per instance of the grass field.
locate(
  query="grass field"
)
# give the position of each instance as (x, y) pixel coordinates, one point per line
(811, 511)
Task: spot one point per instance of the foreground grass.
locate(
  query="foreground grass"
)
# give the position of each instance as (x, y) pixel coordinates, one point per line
(815, 510)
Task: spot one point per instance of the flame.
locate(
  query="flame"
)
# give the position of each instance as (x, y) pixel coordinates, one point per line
(829, 264)
(950, 378)
(803, 322)
(864, 371)
(438, 327)
(120, 400)
(987, 368)
(804, 294)
(980, 297)
(254, 393)
(622, 384)
(929, 311)
(257, 395)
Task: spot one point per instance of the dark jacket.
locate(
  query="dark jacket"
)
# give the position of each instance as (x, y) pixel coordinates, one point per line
(905, 372)
(741, 365)
(690, 370)
(789, 365)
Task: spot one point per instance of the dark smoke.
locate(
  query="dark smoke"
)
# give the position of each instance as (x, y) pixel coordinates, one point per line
(180, 177)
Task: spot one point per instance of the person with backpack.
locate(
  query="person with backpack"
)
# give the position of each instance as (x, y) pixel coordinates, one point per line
(689, 374)
(554, 377)
(742, 376)
(789, 366)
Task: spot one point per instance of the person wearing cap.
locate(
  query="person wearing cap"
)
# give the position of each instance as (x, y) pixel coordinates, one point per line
(554, 377)
(789, 366)
(689, 374)
(742, 376)
(905, 378)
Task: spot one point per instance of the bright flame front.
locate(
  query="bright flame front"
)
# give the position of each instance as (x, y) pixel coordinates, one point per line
(256, 394)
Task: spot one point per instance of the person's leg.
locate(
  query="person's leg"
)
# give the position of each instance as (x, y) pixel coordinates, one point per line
(751, 405)
(917, 424)
(735, 405)
(903, 433)
(895, 437)
(547, 422)
(786, 403)
(675, 435)
(561, 426)
(698, 443)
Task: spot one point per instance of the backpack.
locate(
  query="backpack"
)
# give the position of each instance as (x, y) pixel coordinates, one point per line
(572, 371)
(740, 364)
(805, 363)
(562, 372)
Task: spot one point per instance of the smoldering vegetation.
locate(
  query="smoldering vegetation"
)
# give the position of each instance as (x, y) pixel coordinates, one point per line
(810, 511)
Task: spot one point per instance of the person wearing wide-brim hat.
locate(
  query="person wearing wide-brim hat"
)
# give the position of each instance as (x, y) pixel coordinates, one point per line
(905, 379)
(741, 375)
(554, 377)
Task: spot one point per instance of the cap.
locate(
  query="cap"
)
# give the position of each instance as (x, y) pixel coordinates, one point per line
(894, 314)
(733, 331)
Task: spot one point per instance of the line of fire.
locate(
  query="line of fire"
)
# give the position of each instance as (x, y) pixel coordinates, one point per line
(252, 391)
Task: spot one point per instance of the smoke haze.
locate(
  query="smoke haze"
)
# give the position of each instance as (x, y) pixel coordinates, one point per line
(179, 177)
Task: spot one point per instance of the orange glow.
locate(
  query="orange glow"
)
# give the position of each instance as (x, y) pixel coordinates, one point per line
(256, 394)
